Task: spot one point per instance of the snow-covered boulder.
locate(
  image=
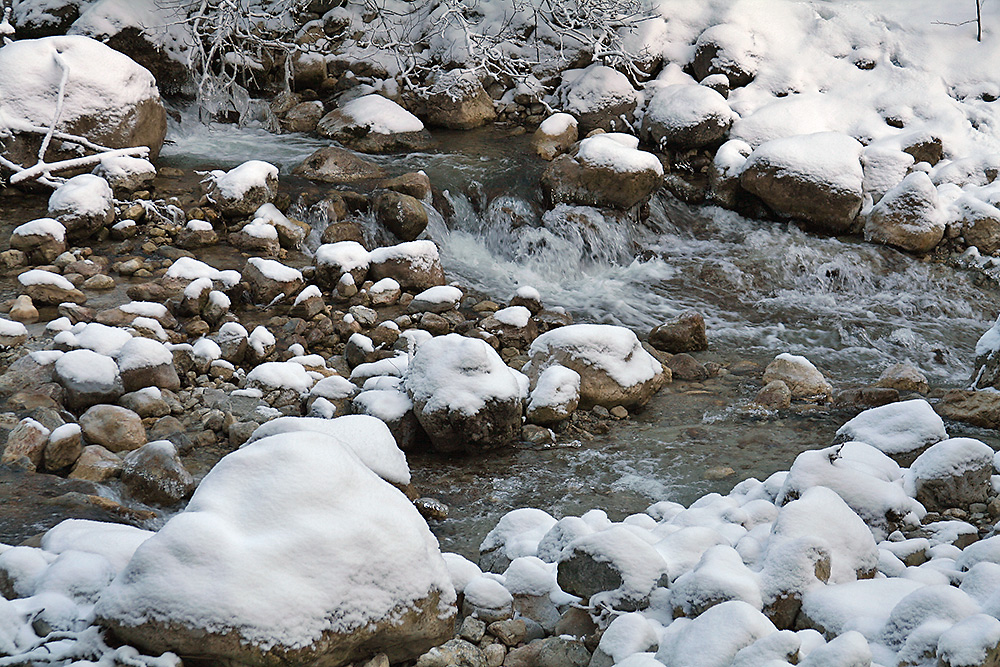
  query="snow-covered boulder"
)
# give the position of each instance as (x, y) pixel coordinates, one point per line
(375, 124)
(813, 177)
(126, 174)
(605, 170)
(907, 216)
(555, 136)
(555, 397)
(414, 265)
(333, 260)
(438, 299)
(727, 49)
(686, 116)
(243, 189)
(87, 378)
(714, 638)
(270, 280)
(457, 100)
(84, 205)
(12, 333)
(41, 240)
(980, 224)
(719, 576)
(614, 368)
(463, 394)
(513, 325)
(724, 173)
(244, 575)
(256, 237)
(109, 99)
(615, 566)
(901, 430)
(953, 473)
(143, 362)
(599, 97)
(802, 378)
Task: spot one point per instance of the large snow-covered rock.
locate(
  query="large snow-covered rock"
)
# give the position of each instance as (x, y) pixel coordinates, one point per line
(463, 394)
(686, 116)
(599, 97)
(813, 177)
(243, 189)
(109, 99)
(614, 368)
(290, 551)
(84, 204)
(375, 124)
(415, 265)
(953, 473)
(907, 216)
(902, 430)
(605, 170)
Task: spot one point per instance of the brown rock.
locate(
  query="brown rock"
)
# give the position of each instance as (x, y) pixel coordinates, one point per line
(686, 333)
(154, 474)
(28, 439)
(96, 464)
(117, 429)
(64, 447)
(457, 100)
(403, 215)
(979, 408)
(903, 377)
(685, 367)
(774, 396)
(337, 165)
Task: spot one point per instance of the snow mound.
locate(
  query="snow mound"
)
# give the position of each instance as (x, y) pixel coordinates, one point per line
(380, 115)
(898, 428)
(617, 152)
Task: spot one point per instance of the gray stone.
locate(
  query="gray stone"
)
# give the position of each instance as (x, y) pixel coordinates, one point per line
(153, 474)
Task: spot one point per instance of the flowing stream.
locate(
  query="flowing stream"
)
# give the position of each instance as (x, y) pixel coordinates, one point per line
(851, 307)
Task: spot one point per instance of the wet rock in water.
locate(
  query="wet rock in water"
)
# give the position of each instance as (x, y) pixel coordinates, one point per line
(614, 368)
(606, 170)
(464, 396)
(375, 124)
(242, 190)
(414, 265)
(903, 377)
(49, 289)
(803, 379)
(774, 396)
(40, 240)
(907, 216)
(953, 473)
(555, 136)
(87, 378)
(685, 333)
(407, 604)
(64, 447)
(686, 116)
(403, 215)
(337, 165)
(143, 362)
(812, 177)
(28, 439)
(979, 408)
(270, 280)
(303, 117)
(415, 184)
(555, 397)
(865, 397)
(599, 97)
(153, 474)
(431, 508)
(113, 427)
(685, 367)
(456, 100)
(453, 653)
(83, 205)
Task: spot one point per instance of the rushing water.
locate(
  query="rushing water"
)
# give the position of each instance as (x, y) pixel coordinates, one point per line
(853, 308)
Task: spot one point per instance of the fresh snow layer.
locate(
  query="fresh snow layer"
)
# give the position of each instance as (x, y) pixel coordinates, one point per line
(41, 227)
(83, 195)
(611, 151)
(514, 316)
(896, 428)
(141, 352)
(612, 349)
(43, 277)
(236, 182)
(380, 115)
(275, 270)
(265, 549)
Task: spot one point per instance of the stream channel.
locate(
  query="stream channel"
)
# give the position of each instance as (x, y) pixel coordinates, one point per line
(764, 288)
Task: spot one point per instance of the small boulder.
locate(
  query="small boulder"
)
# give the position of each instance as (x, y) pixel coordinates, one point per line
(337, 165)
(903, 377)
(599, 97)
(414, 265)
(403, 215)
(685, 333)
(114, 428)
(96, 464)
(375, 124)
(49, 289)
(457, 100)
(334, 260)
(27, 439)
(555, 136)
(64, 447)
(802, 378)
(87, 378)
(686, 116)
(270, 280)
(83, 205)
(153, 474)
(143, 362)
(40, 240)
(953, 473)
(242, 190)
(555, 397)
(907, 217)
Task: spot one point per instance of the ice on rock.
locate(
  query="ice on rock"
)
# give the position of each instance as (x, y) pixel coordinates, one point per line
(249, 562)
(901, 429)
(714, 638)
(367, 437)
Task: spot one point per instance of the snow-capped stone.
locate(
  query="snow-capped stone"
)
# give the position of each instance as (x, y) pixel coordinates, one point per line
(47, 288)
(512, 325)
(719, 576)
(291, 232)
(280, 375)
(816, 178)
(457, 100)
(555, 397)
(88, 378)
(516, 535)
(902, 430)
(686, 116)
(943, 602)
(415, 265)
(243, 189)
(975, 640)
(385, 292)
(41, 240)
(614, 368)
(866, 603)
(154, 474)
(108, 98)
(615, 564)
(83, 205)
(714, 638)
(599, 97)
(605, 170)
(257, 237)
(463, 394)
(126, 174)
(395, 409)
(724, 173)
(143, 362)
(64, 447)
(555, 136)
(907, 216)
(375, 124)
(725, 49)
(186, 587)
(12, 333)
(487, 600)
(270, 280)
(953, 473)
(333, 260)
(27, 439)
(438, 299)
(114, 428)
(800, 375)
